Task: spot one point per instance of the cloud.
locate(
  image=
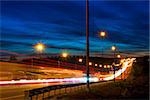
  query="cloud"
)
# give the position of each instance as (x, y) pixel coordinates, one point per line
(61, 25)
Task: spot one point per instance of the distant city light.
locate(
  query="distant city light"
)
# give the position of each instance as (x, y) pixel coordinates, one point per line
(90, 63)
(118, 56)
(80, 59)
(95, 64)
(108, 66)
(100, 65)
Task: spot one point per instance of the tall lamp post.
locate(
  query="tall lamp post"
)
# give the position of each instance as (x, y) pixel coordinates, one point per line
(39, 47)
(119, 56)
(63, 55)
(87, 43)
(113, 48)
(102, 34)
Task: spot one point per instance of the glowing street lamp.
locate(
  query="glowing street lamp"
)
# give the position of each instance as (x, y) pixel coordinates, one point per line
(108, 66)
(118, 56)
(105, 66)
(102, 34)
(80, 59)
(64, 55)
(39, 47)
(90, 63)
(95, 64)
(100, 65)
(113, 48)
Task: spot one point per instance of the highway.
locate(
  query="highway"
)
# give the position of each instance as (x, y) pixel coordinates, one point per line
(14, 89)
(16, 78)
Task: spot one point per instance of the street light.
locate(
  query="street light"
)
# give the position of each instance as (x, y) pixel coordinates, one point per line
(39, 47)
(64, 54)
(80, 59)
(96, 65)
(90, 63)
(105, 66)
(118, 56)
(113, 48)
(100, 65)
(108, 66)
(102, 34)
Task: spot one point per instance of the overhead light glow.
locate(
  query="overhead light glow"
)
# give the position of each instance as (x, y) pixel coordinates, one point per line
(113, 48)
(64, 54)
(90, 63)
(80, 60)
(118, 56)
(102, 34)
(100, 65)
(39, 47)
(95, 64)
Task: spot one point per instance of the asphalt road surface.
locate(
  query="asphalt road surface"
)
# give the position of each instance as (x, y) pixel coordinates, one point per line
(16, 92)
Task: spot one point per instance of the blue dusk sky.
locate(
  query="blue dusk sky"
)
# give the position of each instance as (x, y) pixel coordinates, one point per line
(60, 25)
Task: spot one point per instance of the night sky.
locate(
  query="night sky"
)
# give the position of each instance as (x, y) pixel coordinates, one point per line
(60, 25)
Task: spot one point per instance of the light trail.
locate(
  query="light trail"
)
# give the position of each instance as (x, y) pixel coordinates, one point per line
(80, 80)
(127, 63)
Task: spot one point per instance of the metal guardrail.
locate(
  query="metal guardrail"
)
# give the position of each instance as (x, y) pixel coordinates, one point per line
(29, 94)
